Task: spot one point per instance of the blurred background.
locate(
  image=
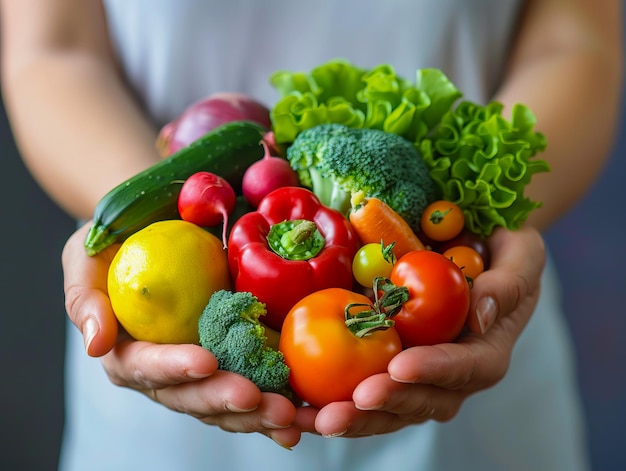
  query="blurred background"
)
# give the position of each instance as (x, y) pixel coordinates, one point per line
(588, 245)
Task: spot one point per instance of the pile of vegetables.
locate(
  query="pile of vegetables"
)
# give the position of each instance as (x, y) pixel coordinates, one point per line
(476, 157)
(354, 214)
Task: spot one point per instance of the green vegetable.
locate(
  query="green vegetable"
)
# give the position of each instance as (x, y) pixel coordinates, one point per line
(229, 327)
(477, 158)
(339, 92)
(482, 162)
(152, 195)
(336, 161)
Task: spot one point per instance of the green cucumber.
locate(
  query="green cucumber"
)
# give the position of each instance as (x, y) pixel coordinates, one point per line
(152, 195)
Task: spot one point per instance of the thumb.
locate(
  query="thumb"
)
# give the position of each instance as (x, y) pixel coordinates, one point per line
(86, 300)
(517, 261)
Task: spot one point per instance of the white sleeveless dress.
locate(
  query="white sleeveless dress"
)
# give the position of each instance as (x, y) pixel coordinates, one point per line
(178, 51)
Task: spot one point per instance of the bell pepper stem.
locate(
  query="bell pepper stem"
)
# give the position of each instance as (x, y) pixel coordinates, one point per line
(296, 240)
(298, 236)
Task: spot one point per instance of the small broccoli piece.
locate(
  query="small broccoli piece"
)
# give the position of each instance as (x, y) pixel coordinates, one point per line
(336, 161)
(229, 328)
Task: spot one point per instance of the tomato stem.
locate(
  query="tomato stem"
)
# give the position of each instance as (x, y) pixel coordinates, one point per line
(387, 251)
(367, 321)
(437, 216)
(393, 297)
(379, 315)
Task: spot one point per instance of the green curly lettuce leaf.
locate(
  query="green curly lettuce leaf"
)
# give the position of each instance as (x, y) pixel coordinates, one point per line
(339, 92)
(482, 161)
(476, 157)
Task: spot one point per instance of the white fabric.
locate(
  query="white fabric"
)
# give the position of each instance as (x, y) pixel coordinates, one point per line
(175, 53)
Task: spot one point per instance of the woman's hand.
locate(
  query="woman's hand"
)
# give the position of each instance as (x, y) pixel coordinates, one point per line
(432, 382)
(183, 378)
(423, 382)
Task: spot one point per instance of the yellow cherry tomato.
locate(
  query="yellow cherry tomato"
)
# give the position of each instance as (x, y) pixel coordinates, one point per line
(372, 260)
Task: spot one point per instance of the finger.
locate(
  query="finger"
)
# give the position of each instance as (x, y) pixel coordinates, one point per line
(271, 411)
(518, 259)
(220, 394)
(343, 419)
(305, 418)
(285, 437)
(212, 402)
(146, 366)
(415, 403)
(471, 364)
(86, 300)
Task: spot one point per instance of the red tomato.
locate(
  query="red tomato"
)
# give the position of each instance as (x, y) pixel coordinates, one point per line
(439, 297)
(442, 220)
(326, 359)
(467, 259)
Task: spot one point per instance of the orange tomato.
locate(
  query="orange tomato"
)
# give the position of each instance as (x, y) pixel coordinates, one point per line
(442, 220)
(327, 360)
(467, 259)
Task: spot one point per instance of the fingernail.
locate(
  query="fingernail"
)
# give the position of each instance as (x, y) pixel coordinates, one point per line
(372, 407)
(196, 375)
(403, 380)
(90, 330)
(232, 408)
(269, 424)
(282, 445)
(486, 312)
(336, 434)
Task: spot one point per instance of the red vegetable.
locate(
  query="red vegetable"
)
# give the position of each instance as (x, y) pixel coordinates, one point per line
(267, 175)
(322, 344)
(207, 114)
(289, 247)
(206, 199)
(439, 297)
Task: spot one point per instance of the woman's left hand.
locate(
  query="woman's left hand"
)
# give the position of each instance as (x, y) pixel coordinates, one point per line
(432, 382)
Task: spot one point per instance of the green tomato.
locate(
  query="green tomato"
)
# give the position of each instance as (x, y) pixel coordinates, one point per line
(372, 260)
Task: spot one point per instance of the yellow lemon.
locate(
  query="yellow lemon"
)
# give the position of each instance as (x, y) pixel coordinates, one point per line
(162, 277)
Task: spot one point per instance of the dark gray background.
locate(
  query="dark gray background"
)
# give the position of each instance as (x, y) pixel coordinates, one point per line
(588, 244)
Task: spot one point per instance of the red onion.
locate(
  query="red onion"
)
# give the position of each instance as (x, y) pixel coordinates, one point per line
(207, 114)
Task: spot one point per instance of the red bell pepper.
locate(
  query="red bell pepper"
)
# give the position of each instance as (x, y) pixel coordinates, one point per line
(289, 247)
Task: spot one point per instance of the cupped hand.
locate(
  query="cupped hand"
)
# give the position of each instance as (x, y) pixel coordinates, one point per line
(184, 378)
(432, 382)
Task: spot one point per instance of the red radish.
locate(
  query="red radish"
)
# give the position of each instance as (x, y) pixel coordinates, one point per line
(207, 114)
(270, 139)
(267, 175)
(206, 199)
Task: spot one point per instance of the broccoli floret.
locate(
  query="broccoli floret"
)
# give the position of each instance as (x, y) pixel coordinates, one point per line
(229, 327)
(336, 161)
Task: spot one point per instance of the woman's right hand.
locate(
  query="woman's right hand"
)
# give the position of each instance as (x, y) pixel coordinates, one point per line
(184, 378)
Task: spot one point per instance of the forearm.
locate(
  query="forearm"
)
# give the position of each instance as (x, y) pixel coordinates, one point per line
(79, 134)
(78, 128)
(567, 69)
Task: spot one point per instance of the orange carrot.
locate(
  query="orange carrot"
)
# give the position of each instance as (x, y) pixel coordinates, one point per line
(375, 221)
